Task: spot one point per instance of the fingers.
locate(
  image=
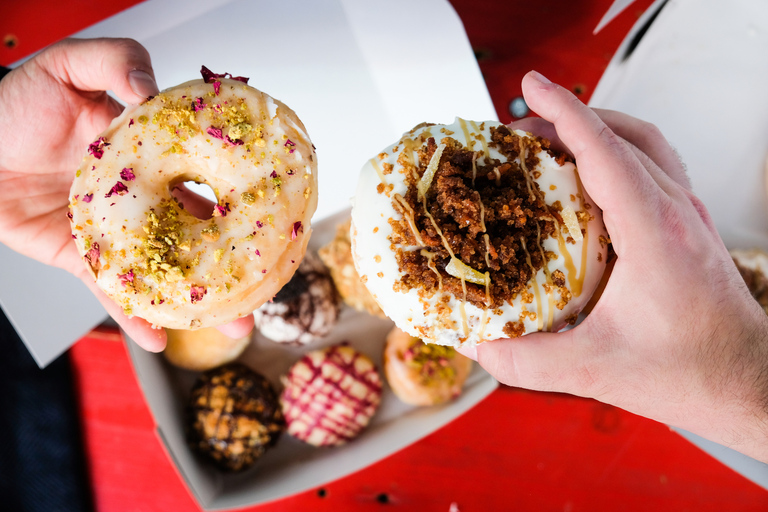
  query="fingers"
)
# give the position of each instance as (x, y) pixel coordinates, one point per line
(194, 203)
(239, 328)
(138, 329)
(611, 172)
(119, 65)
(649, 140)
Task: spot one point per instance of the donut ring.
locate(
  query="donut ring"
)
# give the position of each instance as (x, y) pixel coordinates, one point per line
(421, 374)
(153, 257)
(460, 241)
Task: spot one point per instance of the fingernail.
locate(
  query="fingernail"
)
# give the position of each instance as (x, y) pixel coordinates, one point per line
(142, 83)
(469, 351)
(540, 78)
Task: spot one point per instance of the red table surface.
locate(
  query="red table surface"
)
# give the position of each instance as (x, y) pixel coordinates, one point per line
(516, 450)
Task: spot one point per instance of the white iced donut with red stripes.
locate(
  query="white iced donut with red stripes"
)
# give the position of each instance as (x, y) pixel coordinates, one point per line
(470, 232)
(159, 261)
(330, 395)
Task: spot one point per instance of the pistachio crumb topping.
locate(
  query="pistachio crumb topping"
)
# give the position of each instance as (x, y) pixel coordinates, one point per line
(159, 248)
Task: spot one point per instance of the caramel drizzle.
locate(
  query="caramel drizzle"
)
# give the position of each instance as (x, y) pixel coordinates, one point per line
(410, 217)
(497, 172)
(548, 276)
(431, 264)
(464, 129)
(487, 249)
(526, 172)
(536, 294)
(474, 168)
(482, 140)
(578, 283)
(378, 170)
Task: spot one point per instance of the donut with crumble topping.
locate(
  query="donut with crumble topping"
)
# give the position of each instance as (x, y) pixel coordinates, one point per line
(471, 232)
(158, 260)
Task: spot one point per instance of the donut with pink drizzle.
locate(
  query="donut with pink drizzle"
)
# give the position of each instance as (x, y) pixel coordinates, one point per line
(330, 395)
(158, 260)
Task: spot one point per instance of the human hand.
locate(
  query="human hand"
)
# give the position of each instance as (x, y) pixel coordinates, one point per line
(51, 108)
(675, 335)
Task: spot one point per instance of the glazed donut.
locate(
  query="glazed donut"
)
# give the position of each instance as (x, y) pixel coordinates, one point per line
(423, 374)
(202, 349)
(470, 232)
(159, 261)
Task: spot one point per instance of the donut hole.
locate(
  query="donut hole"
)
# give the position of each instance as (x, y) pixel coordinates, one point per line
(197, 198)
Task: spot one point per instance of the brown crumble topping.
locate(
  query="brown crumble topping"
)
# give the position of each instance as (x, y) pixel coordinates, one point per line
(497, 202)
(514, 329)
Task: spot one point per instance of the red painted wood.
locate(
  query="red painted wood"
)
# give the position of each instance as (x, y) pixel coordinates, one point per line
(517, 450)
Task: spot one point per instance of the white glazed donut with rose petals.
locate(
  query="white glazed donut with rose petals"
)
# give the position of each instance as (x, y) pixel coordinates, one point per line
(156, 259)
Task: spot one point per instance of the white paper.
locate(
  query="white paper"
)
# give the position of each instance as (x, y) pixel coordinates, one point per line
(700, 74)
(359, 73)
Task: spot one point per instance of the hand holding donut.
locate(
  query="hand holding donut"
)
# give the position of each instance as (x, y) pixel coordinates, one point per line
(51, 108)
(675, 336)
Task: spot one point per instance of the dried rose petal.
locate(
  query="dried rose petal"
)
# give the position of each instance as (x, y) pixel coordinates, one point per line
(130, 123)
(92, 257)
(198, 105)
(290, 144)
(297, 228)
(221, 211)
(216, 87)
(273, 174)
(209, 76)
(69, 215)
(259, 224)
(87, 198)
(258, 253)
(215, 132)
(234, 142)
(127, 174)
(126, 278)
(197, 292)
(120, 189)
(96, 148)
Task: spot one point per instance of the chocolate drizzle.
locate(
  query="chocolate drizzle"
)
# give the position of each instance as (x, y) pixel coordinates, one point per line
(233, 416)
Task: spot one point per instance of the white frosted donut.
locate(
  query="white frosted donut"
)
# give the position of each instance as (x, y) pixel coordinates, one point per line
(153, 257)
(460, 242)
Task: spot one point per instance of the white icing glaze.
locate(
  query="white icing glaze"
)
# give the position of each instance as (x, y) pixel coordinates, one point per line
(164, 142)
(582, 262)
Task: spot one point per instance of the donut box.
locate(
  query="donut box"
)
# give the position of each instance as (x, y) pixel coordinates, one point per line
(293, 466)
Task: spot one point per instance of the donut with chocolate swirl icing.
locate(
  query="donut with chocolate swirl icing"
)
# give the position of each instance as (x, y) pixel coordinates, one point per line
(305, 309)
(471, 232)
(154, 257)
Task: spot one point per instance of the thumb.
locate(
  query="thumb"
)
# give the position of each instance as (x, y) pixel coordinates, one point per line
(538, 361)
(119, 65)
